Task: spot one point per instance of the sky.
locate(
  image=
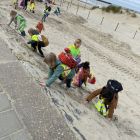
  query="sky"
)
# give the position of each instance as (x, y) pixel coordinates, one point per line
(130, 4)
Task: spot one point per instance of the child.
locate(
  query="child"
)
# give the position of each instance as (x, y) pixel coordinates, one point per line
(36, 41)
(32, 6)
(57, 70)
(74, 50)
(46, 13)
(21, 3)
(82, 75)
(108, 98)
(15, 2)
(25, 4)
(20, 22)
(57, 11)
(40, 26)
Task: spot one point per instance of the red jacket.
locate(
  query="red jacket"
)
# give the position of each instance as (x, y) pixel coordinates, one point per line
(40, 26)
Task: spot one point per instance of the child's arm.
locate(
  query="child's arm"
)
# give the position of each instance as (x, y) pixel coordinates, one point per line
(54, 76)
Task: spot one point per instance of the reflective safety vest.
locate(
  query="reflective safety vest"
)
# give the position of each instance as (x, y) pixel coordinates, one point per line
(66, 72)
(74, 51)
(34, 37)
(100, 106)
(32, 6)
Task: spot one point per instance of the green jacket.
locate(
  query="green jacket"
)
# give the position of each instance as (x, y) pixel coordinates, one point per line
(74, 51)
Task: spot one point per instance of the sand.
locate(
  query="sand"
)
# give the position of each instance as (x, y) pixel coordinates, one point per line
(111, 57)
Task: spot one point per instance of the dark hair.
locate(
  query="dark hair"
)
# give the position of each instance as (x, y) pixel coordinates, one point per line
(86, 65)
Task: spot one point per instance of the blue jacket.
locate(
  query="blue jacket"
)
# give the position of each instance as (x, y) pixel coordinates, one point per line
(54, 74)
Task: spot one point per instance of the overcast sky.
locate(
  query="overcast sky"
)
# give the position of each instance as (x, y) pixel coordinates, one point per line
(131, 4)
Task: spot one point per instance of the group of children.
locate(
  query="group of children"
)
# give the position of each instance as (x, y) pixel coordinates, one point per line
(24, 4)
(68, 68)
(31, 4)
(60, 67)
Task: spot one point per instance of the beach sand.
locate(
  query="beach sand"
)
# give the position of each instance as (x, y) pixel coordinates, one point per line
(111, 57)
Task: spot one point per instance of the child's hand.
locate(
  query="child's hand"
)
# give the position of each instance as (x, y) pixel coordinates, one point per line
(43, 84)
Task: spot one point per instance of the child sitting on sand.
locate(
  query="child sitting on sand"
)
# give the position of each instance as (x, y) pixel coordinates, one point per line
(19, 20)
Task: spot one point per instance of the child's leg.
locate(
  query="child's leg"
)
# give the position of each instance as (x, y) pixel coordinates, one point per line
(34, 44)
(46, 15)
(68, 83)
(80, 83)
(40, 45)
(43, 18)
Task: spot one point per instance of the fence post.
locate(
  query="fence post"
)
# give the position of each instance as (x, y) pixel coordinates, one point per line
(85, 4)
(68, 6)
(102, 21)
(70, 3)
(135, 34)
(117, 26)
(77, 9)
(61, 2)
(88, 14)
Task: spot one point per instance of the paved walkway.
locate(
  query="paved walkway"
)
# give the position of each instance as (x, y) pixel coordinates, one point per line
(25, 111)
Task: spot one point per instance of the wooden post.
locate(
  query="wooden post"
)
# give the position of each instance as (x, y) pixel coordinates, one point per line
(102, 21)
(61, 3)
(77, 9)
(70, 3)
(135, 34)
(68, 6)
(88, 14)
(117, 26)
(85, 4)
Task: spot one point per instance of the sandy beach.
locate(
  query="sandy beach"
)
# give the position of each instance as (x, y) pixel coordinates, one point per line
(113, 55)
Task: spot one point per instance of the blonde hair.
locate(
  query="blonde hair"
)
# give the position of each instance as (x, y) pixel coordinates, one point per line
(79, 41)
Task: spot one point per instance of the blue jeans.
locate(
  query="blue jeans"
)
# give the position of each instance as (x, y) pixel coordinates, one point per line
(45, 16)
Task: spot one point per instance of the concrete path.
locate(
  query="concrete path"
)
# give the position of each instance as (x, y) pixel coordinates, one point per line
(25, 110)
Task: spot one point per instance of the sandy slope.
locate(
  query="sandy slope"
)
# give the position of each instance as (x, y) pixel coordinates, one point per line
(110, 58)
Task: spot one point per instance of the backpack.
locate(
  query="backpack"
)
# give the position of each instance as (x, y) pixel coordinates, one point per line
(112, 88)
(67, 59)
(45, 40)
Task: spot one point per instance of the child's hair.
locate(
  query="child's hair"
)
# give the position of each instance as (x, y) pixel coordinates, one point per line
(13, 13)
(30, 31)
(86, 65)
(79, 41)
(50, 58)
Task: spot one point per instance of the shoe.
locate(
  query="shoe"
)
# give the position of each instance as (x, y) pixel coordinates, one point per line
(23, 33)
(42, 55)
(34, 50)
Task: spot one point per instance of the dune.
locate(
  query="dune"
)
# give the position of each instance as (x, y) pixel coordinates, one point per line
(113, 55)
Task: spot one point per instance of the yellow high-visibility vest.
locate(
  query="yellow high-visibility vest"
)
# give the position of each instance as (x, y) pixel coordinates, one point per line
(34, 37)
(67, 70)
(100, 106)
(74, 51)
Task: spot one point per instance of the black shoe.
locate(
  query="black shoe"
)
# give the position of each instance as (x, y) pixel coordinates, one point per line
(42, 55)
(23, 33)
